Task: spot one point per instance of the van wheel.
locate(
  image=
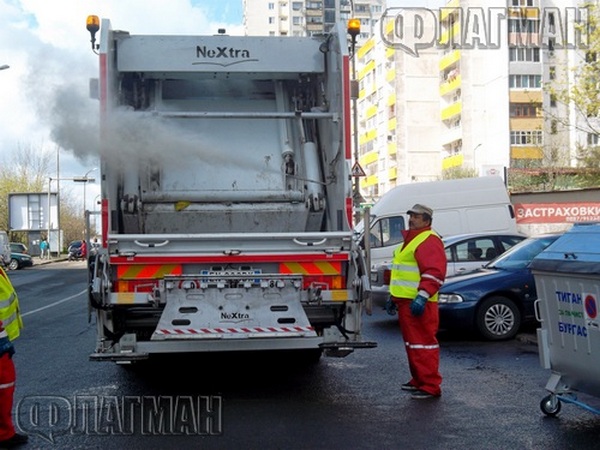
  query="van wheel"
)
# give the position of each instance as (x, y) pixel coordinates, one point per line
(498, 318)
(13, 264)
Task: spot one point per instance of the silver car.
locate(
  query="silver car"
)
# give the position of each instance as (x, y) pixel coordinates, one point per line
(465, 253)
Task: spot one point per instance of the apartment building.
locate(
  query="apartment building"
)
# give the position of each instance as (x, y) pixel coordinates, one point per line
(398, 110)
(307, 17)
(497, 109)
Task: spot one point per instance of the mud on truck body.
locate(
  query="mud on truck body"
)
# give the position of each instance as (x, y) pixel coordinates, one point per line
(226, 197)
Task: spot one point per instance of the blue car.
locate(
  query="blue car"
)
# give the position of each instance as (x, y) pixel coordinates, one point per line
(496, 299)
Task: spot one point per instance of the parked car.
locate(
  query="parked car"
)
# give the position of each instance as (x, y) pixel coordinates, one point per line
(18, 247)
(4, 249)
(465, 253)
(497, 299)
(19, 261)
(74, 251)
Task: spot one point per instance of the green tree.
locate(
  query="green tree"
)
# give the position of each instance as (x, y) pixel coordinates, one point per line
(576, 88)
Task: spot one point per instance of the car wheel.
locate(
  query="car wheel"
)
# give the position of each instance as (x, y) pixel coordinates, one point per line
(498, 318)
(13, 264)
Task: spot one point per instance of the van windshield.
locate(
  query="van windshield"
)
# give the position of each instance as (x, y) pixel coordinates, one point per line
(387, 231)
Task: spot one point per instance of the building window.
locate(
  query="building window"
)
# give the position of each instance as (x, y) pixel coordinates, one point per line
(523, 26)
(525, 81)
(593, 139)
(271, 20)
(271, 6)
(524, 110)
(552, 72)
(553, 127)
(297, 6)
(528, 137)
(522, 2)
(528, 54)
(553, 100)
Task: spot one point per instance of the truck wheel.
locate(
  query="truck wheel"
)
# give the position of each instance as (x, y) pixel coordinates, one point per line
(13, 264)
(498, 318)
(550, 406)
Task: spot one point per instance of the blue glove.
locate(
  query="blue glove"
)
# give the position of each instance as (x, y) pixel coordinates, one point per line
(390, 307)
(417, 306)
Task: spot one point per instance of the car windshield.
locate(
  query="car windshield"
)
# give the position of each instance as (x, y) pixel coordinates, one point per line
(519, 256)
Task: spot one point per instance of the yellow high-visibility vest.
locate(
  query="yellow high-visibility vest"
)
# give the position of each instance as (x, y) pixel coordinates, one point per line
(10, 314)
(405, 276)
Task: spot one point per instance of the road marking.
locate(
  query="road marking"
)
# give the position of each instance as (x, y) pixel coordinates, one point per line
(51, 305)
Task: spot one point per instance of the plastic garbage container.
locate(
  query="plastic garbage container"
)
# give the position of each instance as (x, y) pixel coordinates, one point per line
(567, 278)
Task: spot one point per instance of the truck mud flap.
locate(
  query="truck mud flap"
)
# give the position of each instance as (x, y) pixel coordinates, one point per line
(233, 313)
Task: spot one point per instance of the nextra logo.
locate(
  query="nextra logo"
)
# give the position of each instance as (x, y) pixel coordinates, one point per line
(414, 29)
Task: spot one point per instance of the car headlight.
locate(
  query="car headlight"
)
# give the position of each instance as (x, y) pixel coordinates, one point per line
(450, 298)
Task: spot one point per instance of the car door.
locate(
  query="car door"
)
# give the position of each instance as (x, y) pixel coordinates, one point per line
(470, 254)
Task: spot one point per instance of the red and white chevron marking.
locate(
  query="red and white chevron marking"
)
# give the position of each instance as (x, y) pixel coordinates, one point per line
(206, 331)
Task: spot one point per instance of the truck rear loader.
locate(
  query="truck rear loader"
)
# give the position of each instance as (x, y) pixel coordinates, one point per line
(226, 197)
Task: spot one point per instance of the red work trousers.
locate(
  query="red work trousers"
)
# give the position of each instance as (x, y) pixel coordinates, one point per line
(422, 347)
(7, 391)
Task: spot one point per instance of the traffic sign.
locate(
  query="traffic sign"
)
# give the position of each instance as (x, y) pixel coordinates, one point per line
(357, 170)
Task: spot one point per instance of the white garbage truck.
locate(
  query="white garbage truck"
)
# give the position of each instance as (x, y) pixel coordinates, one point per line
(226, 197)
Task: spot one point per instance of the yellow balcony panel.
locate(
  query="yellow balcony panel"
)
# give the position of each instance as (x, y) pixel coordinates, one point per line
(392, 173)
(390, 52)
(369, 67)
(449, 59)
(390, 75)
(392, 124)
(449, 8)
(371, 180)
(525, 152)
(389, 26)
(525, 12)
(364, 49)
(369, 158)
(451, 34)
(451, 111)
(526, 124)
(451, 86)
(453, 161)
(525, 96)
(392, 148)
(391, 100)
(367, 136)
(371, 111)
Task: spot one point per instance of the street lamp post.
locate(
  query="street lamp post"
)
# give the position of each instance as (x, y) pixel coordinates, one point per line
(84, 179)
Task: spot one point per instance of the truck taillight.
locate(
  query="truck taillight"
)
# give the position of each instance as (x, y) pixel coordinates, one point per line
(332, 282)
(135, 286)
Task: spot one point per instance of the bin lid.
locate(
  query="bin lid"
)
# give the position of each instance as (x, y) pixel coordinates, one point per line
(576, 251)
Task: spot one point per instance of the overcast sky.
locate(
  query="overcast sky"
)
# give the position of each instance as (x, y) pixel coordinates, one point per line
(44, 99)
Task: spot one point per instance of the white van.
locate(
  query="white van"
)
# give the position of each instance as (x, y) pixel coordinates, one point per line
(460, 206)
(4, 248)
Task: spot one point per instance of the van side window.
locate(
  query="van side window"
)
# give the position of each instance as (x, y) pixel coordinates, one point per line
(387, 231)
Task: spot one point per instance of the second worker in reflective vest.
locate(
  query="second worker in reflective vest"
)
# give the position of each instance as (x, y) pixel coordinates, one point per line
(418, 272)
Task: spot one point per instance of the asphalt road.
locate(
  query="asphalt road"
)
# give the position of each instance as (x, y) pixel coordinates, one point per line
(491, 391)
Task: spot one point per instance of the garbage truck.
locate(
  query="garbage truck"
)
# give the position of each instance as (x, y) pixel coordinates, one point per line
(226, 198)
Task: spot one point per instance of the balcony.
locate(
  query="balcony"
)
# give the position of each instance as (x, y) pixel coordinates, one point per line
(452, 110)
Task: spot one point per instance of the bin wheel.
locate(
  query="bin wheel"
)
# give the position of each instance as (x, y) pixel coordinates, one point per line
(550, 405)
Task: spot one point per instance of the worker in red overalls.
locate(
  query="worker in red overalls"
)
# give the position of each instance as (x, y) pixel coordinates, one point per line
(418, 272)
(10, 328)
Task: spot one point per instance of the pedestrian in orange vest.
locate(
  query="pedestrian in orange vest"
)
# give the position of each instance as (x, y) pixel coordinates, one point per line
(10, 328)
(418, 272)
